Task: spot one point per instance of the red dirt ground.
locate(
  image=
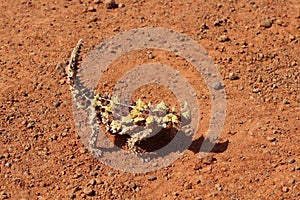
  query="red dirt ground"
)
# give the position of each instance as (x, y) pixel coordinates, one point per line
(258, 155)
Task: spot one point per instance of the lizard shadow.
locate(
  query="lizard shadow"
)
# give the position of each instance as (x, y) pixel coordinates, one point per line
(165, 142)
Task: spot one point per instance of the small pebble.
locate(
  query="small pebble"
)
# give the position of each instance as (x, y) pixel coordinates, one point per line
(132, 185)
(30, 125)
(256, 90)
(83, 150)
(291, 181)
(233, 76)
(3, 195)
(152, 178)
(5, 155)
(223, 38)
(91, 9)
(150, 56)
(188, 186)
(217, 85)
(292, 161)
(26, 173)
(271, 139)
(266, 23)
(111, 174)
(285, 101)
(218, 187)
(285, 189)
(89, 191)
(204, 26)
(259, 79)
(292, 38)
(240, 87)
(72, 196)
(110, 4)
(217, 23)
(208, 160)
(62, 81)
(93, 19)
(8, 164)
(93, 182)
(294, 63)
(56, 104)
(155, 164)
(60, 67)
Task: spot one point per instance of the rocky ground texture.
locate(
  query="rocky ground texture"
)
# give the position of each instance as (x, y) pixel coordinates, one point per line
(255, 45)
